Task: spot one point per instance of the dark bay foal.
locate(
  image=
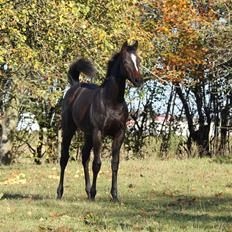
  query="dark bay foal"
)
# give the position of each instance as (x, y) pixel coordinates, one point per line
(98, 111)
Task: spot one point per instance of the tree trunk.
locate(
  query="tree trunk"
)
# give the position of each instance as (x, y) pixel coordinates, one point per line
(39, 149)
(224, 129)
(200, 136)
(8, 124)
(167, 124)
(5, 144)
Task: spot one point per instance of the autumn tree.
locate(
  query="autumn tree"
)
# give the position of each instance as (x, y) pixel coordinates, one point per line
(180, 36)
(39, 40)
(219, 73)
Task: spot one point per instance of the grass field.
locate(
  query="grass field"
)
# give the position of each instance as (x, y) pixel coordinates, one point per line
(155, 195)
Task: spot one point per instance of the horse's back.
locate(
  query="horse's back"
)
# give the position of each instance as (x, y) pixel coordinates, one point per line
(76, 102)
(74, 91)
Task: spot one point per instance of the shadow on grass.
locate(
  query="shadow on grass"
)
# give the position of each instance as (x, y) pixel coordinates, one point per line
(40, 197)
(18, 196)
(205, 212)
(182, 208)
(211, 203)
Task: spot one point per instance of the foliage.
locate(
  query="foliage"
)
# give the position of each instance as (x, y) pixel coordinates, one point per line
(141, 123)
(179, 38)
(40, 39)
(193, 54)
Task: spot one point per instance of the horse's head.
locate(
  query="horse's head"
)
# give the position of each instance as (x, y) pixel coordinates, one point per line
(130, 63)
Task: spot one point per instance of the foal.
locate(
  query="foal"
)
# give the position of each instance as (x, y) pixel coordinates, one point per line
(98, 111)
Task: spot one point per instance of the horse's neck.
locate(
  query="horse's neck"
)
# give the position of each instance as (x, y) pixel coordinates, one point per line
(114, 89)
(115, 84)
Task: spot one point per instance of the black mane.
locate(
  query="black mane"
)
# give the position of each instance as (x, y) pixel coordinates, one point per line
(110, 65)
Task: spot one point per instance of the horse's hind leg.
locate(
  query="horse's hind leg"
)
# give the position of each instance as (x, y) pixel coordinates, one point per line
(97, 141)
(85, 161)
(66, 140)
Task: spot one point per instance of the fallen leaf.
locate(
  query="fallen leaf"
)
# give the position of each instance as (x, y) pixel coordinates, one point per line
(53, 177)
(63, 229)
(41, 219)
(219, 194)
(55, 214)
(29, 213)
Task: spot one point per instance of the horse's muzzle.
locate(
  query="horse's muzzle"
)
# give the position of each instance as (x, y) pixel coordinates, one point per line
(136, 81)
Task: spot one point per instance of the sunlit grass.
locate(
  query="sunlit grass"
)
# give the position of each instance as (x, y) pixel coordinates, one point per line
(170, 195)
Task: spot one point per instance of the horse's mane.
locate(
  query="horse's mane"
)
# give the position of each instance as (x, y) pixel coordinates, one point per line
(110, 66)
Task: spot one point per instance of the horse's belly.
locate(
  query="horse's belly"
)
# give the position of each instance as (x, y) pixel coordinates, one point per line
(81, 113)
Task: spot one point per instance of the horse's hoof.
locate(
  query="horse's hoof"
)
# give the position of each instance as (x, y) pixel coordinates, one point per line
(115, 200)
(90, 198)
(58, 197)
(59, 192)
(93, 194)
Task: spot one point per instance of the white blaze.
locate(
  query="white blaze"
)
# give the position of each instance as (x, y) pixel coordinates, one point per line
(133, 57)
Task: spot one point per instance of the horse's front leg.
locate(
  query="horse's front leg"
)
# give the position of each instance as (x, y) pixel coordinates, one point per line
(97, 141)
(116, 146)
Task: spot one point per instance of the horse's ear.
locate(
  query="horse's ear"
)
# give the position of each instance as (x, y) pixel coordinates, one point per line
(124, 46)
(135, 45)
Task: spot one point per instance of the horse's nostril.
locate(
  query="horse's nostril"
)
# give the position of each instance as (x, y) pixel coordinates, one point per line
(138, 81)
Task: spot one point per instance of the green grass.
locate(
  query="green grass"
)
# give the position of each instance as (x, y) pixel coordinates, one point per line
(171, 195)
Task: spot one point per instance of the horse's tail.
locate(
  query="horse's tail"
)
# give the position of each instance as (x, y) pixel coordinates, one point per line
(78, 66)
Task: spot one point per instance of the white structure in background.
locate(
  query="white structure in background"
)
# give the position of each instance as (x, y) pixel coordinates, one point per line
(181, 126)
(67, 87)
(28, 122)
